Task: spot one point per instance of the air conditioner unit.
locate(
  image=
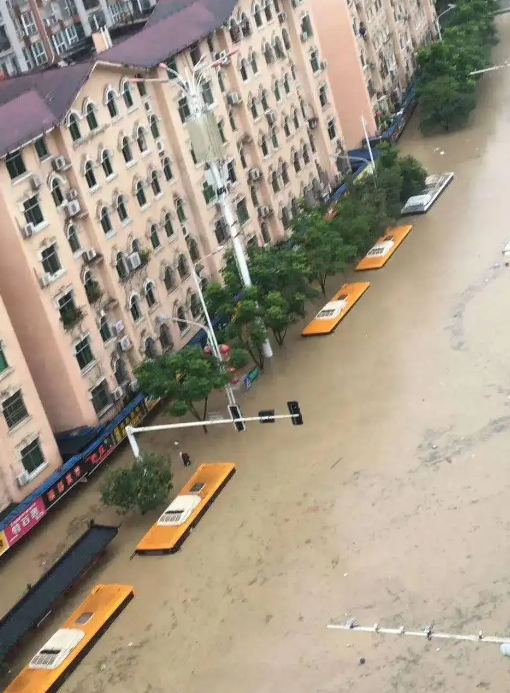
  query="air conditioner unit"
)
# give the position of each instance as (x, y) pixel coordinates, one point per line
(134, 261)
(118, 328)
(271, 117)
(305, 36)
(264, 211)
(254, 174)
(125, 344)
(72, 195)
(117, 393)
(58, 163)
(221, 57)
(23, 478)
(27, 230)
(90, 254)
(312, 123)
(295, 3)
(134, 386)
(282, 17)
(233, 98)
(72, 208)
(35, 183)
(45, 280)
(160, 146)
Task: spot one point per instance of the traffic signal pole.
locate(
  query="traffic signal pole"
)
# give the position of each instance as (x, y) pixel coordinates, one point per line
(239, 422)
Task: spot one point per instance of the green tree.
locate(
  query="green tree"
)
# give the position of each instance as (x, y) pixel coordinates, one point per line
(184, 379)
(446, 104)
(144, 485)
(277, 315)
(413, 175)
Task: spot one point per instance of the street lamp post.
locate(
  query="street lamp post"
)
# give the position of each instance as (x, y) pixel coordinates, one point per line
(450, 7)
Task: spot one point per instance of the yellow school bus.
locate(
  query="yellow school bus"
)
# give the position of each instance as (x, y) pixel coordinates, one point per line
(329, 317)
(183, 513)
(56, 659)
(381, 252)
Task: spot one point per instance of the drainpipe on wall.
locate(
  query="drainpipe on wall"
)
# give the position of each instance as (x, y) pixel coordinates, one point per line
(42, 31)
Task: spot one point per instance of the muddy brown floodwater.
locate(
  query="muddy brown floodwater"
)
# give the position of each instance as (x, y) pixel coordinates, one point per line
(391, 504)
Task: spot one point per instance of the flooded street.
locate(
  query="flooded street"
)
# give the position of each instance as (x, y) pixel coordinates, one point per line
(391, 504)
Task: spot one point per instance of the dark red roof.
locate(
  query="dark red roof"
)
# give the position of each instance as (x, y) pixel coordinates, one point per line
(34, 103)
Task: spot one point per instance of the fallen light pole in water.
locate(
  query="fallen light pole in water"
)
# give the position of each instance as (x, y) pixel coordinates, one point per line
(427, 632)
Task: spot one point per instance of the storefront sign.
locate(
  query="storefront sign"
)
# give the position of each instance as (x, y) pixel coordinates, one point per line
(63, 485)
(24, 522)
(3, 543)
(251, 377)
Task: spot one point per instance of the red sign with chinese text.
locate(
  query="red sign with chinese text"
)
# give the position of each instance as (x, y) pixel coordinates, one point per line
(24, 522)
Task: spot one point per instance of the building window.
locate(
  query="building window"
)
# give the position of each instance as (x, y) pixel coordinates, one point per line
(268, 11)
(286, 127)
(179, 207)
(141, 140)
(296, 162)
(50, 260)
(15, 164)
(242, 211)
(122, 266)
(221, 231)
(155, 184)
(140, 194)
(306, 26)
(195, 54)
(182, 322)
(169, 229)
(14, 409)
(254, 108)
(126, 150)
(277, 92)
(275, 182)
(221, 129)
(295, 118)
(264, 146)
(142, 89)
(182, 267)
(263, 101)
(56, 193)
(168, 279)
(104, 329)
(221, 82)
(153, 122)
(106, 163)
(39, 53)
(264, 230)
(67, 309)
(285, 174)
(274, 138)
(242, 157)
(105, 220)
(323, 95)
(127, 95)
(285, 218)
(245, 26)
(155, 242)
(41, 148)
(207, 93)
(231, 171)
(332, 129)
(184, 109)
(100, 397)
(286, 39)
(3, 360)
(254, 63)
(165, 338)
(167, 168)
(83, 353)
(150, 295)
(208, 192)
(306, 155)
(312, 142)
(28, 23)
(122, 209)
(244, 70)
(193, 249)
(74, 128)
(90, 176)
(194, 306)
(32, 457)
(232, 121)
(278, 49)
(111, 104)
(32, 211)
(121, 372)
(257, 16)
(134, 307)
(314, 61)
(234, 31)
(254, 196)
(268, 54)
(286, 83)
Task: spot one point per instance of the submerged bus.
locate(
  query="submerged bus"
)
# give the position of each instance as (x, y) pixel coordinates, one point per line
(183, 513)
(330, 316)
(57, 658)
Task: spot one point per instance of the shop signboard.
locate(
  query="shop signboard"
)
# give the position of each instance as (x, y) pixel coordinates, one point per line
(22, 524)
(3, 543)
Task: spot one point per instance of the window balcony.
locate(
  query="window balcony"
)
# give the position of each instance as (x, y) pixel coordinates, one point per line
(71, 317)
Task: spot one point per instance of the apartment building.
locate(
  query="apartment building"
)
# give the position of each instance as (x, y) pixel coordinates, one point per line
(27, 446)
(371, 47)
(106, 209)
(36, 33)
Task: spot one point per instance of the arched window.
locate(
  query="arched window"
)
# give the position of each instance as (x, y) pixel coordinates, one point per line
(182, 322)
(268, 54)
(150, 348)
(285, 218)
(234, 31)
(286, 39)
(194, 251)
(153, 122)
(179, 207)
(278, 48)
(73, 239)
(169, 229)
(155, 242)
(257, 16)
(127, 95)
(136, 247)
(264, 230)
(254, 63)
(194, 306)
(122, 266)
(155, 184)
(264, 146)
(104, 329)
(294, 204)
(232, 120)
(106, 163)
(182, 267)
(296, 162)
(244, 70)
(111, 103)
(92, 288)
(90, 114)
(74, 128)
(168, 279)
(268, 11)
(275, 181)
(142, 87)
(312, 142)
(141, 139)
(221, 81)
(134, 307)
(245, 25)
(274, 138)
(126, 150)
(295, 118)
(105, 221)
(286, 127)
(277, 92)
(254, 108)
(167, 168)
(254, 196)
(306, 155)
(150, 294)
(165, 338)
(90, 176)
(122, 209)
(56, 192)
(140, 194)
(286, 83)
(263, 100)
(121, 372)
(285, 174)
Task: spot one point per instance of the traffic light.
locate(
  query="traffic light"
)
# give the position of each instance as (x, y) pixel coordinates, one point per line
(295, 412)
(235, 413)
(268, 415)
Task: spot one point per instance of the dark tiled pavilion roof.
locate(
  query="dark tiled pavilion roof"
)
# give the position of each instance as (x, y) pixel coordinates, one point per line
(36, 102)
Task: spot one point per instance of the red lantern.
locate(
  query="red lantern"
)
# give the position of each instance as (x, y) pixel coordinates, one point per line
(225, 350)
(234, 378)
(207, 350)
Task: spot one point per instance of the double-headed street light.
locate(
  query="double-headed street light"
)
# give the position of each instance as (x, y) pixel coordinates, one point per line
(451, 6)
